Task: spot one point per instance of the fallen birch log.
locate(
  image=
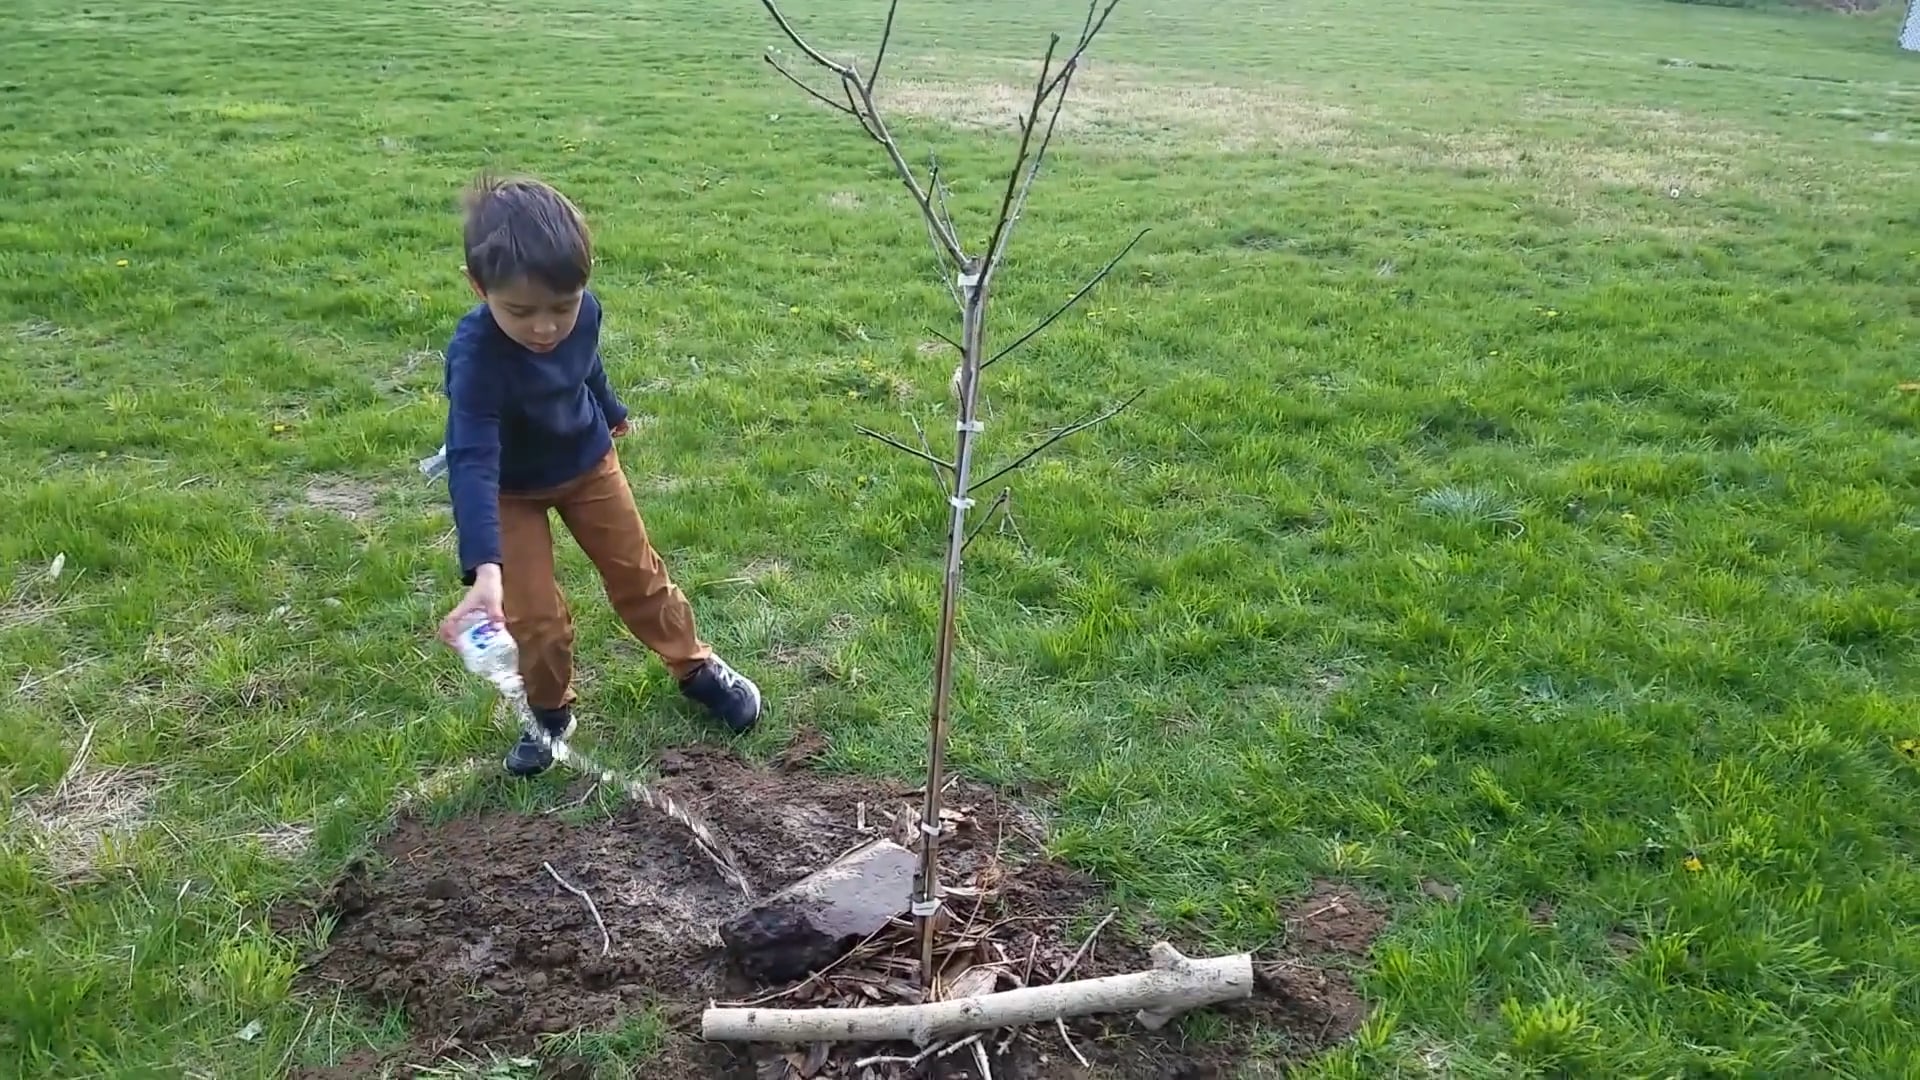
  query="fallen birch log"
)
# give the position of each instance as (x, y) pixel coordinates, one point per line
(1174, 985)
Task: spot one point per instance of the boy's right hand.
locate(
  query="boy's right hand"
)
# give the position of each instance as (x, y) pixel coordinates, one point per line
(486, 596)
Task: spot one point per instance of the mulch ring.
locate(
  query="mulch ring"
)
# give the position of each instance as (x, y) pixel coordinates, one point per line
(466, 931)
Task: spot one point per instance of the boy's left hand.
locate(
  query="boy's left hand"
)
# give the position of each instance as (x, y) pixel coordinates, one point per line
(621, 429)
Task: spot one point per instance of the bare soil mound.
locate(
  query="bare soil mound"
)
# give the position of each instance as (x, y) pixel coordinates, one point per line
(460, 925)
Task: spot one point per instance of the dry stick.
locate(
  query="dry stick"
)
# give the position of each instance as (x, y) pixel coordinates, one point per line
(1174, 984)
(980, 1059)
(1056, 437)
(1061, 1023)
(606, 939)
(1080, 955)
(889, 1059)
(1072, 300)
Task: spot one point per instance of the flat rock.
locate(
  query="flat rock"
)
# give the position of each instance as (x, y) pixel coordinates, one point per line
(814, 921)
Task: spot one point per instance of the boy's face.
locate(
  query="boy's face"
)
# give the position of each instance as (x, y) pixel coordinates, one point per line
(531, 313)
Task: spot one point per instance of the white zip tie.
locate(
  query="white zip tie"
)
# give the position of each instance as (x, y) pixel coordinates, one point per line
(959, 503)
(975, 426)
(969, 280)
(925, 909)
(930, 830)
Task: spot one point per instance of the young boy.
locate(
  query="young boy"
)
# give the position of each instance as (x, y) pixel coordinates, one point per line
(530, 428)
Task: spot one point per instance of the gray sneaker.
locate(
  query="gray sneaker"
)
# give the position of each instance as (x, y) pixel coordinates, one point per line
(726, 694)
(530, 756)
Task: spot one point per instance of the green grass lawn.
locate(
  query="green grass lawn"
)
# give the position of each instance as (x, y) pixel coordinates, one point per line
(1523, 497)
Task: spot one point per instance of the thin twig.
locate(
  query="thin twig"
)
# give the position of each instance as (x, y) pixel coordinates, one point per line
(971, 1040)
(1087, 34)
(898, 445)
(940, 192)
(880, 54)
(1009, 524)
(1072, 300)
(875, 126)
(1020, 179)
(1061, 1023)
(890, 1059)
(1084, 946)
(793, 35)
(297, 1036)
(939, 477)
(595, 786)
(949, 341)
(1039, 157)
(815, 94)
(1064, 433)
(1020, 158)
(1000, 502)
(980, 1059)
(606, 939)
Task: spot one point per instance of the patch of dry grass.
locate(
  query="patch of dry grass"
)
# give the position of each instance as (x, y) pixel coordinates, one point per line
(33, 598)
(1570, 148)
(1654, 151)
(1121, 101)
(343, 495)
(82, 829)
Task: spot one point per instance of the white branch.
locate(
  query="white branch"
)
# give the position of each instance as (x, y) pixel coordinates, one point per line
(1174, 985)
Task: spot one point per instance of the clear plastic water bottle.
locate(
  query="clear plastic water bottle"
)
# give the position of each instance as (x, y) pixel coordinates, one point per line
(489, 651)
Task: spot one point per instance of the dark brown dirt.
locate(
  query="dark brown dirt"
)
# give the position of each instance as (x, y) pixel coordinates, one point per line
(460, 926)
(1332, 919)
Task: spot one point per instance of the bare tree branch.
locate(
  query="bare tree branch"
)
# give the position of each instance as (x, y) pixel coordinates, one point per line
(943, 238)
(860, 97)
(954, 344)
(1061, 434)
(1072, 300)
(898, 445)
(940, 192)
(1000, 502)
(811, 92)
(1020, 179)
(1033, 173)
(938, 476)
(843, 70)
(886, 35)
(1020, 159)
(1087, 33)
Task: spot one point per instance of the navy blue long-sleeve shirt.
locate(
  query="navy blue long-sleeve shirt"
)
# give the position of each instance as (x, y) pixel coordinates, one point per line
(520, 421)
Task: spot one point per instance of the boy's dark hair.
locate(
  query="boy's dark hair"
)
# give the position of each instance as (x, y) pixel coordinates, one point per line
(520, 228)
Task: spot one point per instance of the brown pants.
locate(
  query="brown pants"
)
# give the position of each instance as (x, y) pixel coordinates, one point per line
(599, 511)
